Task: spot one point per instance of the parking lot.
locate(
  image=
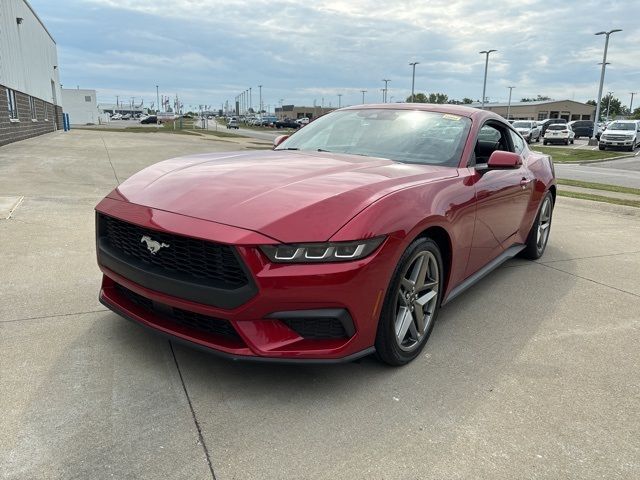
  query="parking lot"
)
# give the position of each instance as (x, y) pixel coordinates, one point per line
(533, 373)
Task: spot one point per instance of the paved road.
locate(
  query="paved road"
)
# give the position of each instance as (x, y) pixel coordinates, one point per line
(534, 373)
(265, 134)
(624, 172)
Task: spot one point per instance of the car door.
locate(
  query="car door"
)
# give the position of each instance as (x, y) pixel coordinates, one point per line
(502, 196)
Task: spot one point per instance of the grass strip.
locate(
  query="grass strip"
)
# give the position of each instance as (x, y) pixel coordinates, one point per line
(598, 186)
(575, 155)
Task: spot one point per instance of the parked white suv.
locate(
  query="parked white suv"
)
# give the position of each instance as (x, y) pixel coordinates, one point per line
(621, 133)
(528, 129)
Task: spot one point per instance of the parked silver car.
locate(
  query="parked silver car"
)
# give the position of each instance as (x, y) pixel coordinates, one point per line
(528, 129)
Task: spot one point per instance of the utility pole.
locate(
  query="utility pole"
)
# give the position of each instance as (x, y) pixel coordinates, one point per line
(631, 104)
(593, 140)
(250, 100)
(117, 103)
(486, 66)
(339, 100)
(261, 108)
(363, 92)
(609, 94)
(413, 80)
(386, 87)
(509, 105)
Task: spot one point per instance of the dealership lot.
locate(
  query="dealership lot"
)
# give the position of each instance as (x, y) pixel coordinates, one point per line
(533, 373)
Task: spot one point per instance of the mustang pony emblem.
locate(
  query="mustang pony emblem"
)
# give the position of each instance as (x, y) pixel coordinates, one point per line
(152, 245)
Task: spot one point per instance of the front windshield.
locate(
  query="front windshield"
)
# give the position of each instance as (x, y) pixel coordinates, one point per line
(621, 126)
(410, 136)
(521, 124)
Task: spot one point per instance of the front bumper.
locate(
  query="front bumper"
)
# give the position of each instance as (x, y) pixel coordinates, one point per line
(616, 143)
(262, 327)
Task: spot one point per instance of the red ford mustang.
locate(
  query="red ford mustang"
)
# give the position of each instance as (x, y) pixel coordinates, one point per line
(344, 240)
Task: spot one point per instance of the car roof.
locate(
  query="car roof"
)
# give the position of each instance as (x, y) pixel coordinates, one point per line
(460, 110)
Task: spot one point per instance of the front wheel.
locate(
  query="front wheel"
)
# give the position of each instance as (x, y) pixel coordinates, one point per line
(411, 304)
(544, 142)
(539, 233)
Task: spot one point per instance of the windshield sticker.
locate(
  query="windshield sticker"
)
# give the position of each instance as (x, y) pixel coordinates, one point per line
(448, 116)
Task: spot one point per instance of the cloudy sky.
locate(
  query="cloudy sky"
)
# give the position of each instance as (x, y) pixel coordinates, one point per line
(208, 51)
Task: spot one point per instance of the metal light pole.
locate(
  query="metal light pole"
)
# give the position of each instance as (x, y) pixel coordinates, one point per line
(631, 104)
(486, 66)
(609, 94)
(157, 99)
(339, 100)
(363, 92)
(413, 80)
(386, 87)
(509, 104)
(250, 100)
(593, 140)
(260, 87)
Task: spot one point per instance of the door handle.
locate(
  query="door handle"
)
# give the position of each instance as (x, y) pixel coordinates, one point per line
(524, 182)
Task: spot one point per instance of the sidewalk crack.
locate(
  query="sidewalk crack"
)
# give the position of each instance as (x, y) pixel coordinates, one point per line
(193, 413)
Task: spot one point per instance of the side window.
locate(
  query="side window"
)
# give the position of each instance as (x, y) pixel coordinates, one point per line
(518, 142)
(491, 138)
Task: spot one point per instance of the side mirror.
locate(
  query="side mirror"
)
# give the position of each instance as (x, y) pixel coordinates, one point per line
(500, 159)
(278, 140)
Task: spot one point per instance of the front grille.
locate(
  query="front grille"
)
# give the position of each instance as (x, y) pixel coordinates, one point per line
(207, 263)
(316, 328)
(184, 318)
(616, 138)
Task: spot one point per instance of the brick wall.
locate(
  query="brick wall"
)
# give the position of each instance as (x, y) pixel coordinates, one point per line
(26, 127)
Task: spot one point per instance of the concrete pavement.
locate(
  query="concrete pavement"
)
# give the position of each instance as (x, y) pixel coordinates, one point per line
(533, 373)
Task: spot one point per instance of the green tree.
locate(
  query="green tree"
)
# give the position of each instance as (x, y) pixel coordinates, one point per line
(467, 101)
(539, 98)
(636, 114)
(418, 98)
(431, 98)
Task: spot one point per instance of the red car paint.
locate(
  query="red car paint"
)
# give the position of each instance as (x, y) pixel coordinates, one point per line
(247, 199)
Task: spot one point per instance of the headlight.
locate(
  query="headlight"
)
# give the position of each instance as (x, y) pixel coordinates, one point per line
(321, 252)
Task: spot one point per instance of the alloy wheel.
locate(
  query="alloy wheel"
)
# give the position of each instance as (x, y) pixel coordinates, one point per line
(544, 222)
(416, 300)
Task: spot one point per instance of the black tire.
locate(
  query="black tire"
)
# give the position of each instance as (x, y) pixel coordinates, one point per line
(544, 142)
(601, 147)
(538, 139)
(533, 249)
(572, 141)
(566, 142)
(387, 346)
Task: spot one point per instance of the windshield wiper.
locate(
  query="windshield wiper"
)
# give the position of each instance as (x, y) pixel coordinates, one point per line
(288, 148)
(323, 150)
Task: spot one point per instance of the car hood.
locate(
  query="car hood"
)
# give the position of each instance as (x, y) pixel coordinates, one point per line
(619, 132)
(286, 195)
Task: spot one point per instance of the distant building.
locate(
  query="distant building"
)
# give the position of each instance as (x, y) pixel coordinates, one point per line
(30, 97)
(539, 110)
(293, 112)
(123, 108)
(81, 105)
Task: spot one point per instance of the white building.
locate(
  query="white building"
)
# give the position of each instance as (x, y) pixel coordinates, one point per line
(81, 105)
(30, 91)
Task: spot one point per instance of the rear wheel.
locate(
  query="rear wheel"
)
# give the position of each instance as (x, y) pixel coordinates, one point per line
(539, 234)
(411, 305)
